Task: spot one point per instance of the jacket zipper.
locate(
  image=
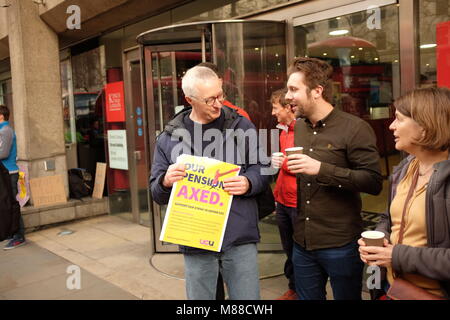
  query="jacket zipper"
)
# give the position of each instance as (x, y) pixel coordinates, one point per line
(429, 208)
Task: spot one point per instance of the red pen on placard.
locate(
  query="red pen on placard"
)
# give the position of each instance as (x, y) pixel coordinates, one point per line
(218, 174)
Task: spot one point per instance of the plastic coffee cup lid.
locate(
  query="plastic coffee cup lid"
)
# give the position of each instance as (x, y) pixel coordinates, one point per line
(294, 149)
(372, 234)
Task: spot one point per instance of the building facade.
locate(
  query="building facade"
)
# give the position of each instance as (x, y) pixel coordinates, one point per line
(62, 61)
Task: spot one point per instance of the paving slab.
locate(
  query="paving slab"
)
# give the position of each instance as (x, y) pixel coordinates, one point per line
(31, 272)
(115, 252)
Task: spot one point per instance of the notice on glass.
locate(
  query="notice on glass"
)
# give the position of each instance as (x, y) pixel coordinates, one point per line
(117, 147)
(198, 208)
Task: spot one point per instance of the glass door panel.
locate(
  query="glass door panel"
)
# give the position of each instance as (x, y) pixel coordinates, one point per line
(139, 156)
(434, 43)
(168, 65)
(252, 59)
(137, 206)
(168, 69)
(366, 77)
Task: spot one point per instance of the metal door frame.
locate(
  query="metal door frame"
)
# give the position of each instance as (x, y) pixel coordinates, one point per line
(132, 55)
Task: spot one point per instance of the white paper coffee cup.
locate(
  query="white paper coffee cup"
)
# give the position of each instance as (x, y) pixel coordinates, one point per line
(277, 154)
(294, 150)
(373, 238)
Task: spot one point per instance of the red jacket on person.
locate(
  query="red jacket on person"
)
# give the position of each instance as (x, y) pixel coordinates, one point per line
(240, 111)
(286, 187)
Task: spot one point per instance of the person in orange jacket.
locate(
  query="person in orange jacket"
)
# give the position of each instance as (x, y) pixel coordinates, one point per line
(285, 192)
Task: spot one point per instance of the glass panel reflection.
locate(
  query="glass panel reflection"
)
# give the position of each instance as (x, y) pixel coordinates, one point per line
(251, 58)
(434, 27)
(366, 76)
(251, 61)
(236, 8)
(168, 70)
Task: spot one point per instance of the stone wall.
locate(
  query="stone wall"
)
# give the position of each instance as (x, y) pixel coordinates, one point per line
(34, 218)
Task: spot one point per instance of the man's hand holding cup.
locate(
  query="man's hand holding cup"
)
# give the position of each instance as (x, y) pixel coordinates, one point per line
(301, 163)
(277, 159)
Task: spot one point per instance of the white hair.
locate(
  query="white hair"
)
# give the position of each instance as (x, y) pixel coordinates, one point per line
(193, 76)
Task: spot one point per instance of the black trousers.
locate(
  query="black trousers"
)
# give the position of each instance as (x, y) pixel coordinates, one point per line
(21, 232)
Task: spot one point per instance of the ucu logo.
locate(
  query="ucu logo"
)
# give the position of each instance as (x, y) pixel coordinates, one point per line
(207, 243)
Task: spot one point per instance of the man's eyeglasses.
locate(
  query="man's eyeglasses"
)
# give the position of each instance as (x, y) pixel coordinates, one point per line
(210, 101)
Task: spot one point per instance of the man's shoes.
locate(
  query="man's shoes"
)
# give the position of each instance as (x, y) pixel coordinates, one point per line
(14, 243)
(289, 295)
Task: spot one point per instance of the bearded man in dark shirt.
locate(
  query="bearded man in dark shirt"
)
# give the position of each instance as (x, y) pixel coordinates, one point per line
(339, 160)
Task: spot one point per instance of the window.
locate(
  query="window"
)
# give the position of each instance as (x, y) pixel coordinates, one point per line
(434, 26)
(236, 8)
(363, 49)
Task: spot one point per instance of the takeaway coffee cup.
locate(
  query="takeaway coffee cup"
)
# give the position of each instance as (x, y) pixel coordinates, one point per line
(276, 154)
(295, 150)
(373, 238)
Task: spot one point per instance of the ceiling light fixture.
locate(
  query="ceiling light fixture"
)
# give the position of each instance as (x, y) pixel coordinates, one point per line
(427, 46)
(338, 32)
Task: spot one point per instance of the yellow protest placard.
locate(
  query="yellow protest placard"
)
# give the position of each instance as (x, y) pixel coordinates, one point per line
(198, 208)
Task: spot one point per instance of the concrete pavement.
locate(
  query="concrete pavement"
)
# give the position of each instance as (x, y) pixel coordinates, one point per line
(115, 259)
(31, 272)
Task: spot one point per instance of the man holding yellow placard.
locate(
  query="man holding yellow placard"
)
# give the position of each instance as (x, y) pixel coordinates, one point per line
(199, 204)
(209, 131)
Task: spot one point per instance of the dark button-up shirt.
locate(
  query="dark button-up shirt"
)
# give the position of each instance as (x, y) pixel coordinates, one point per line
(329, 204)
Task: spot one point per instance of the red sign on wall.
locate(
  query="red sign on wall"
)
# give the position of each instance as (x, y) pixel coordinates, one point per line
(443, 54)
(115, 102)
